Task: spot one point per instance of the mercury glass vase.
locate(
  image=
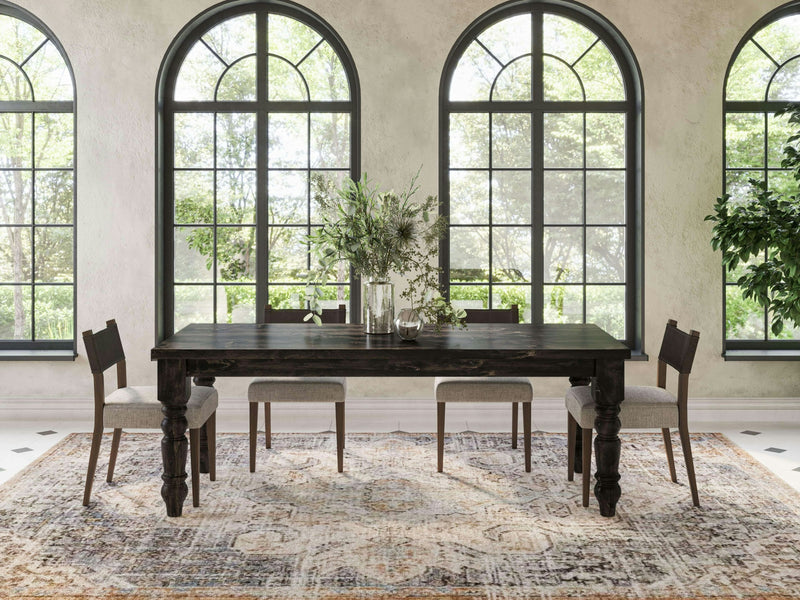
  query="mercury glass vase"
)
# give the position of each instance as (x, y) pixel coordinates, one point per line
(378, 301)
(408, 324)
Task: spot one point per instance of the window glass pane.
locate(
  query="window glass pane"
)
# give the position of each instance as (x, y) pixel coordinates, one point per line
(330, 140)
(511, 140)
(49, 75)
(236, 257)
(508, 38)
(744, 139)
(193, 304)
(738, 183)
(605, 197)
(15, 254)
(563, 140)
(15, 197)
(511, 197)
(734, 275)
(564, 38)
(53, 304)
(15, 310)
(744, 319)
(605, 307)
(600, 74)
(288, 254)
(469, 140)
(749, 75)
(783, 182)
(194, 140)
(288, 197)
(290, 38)
(236, 196)
(238, 83)
(194, 247)
(285, 82)
(18, 39)
(563, 197)
(194, 197)
(511, 254)
(53, 254)
(469, 197)
(780, 38)
(289, 296)
(13, 84)
(789, 332)
(779, 130)
(233, 38)
(514, 82)
(469, 296)
(335, 179)
(325, 74)
(54, 141)
(236, 140)
(563, 254)
(560, 82)
(503, 296)
(15, 140)
(469, 254)
(199, 74)
(236, 304)
(786, 83)
(605, 140)
(563, 304)
(54, 194)
(474, 74)
(288, 140)
(605, 254)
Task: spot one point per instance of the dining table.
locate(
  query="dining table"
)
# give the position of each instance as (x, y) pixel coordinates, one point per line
(201, 352)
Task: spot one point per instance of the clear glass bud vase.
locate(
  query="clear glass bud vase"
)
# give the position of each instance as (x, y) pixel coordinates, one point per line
(378, 301)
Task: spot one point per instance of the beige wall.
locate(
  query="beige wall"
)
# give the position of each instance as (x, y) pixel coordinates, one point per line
(116, 47)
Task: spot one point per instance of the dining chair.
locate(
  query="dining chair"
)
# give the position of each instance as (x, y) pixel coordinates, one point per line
(487, 389)
(644, 407)
(138, 407)
(297, 389)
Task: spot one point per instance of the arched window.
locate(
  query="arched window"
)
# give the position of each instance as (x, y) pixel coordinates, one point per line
(540, 155)
(257, 99)
(37, 188)
(763, 76)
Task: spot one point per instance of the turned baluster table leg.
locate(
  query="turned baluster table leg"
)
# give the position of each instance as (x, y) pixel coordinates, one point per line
(208, 382)
(611, 391)
(174, 388)
(575, 381)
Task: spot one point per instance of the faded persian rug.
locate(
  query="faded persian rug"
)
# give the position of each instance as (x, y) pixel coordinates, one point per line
(391, 527)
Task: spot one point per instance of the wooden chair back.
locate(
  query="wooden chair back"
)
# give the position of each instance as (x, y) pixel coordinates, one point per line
(104, 350)
(493, 315)
(677, 350)
(298, 315)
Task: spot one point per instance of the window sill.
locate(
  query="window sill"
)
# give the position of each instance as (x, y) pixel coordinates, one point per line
(638, 356)
(32, 355)
(761, 355)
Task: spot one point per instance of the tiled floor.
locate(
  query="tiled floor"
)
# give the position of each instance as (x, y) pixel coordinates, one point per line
(776, 445)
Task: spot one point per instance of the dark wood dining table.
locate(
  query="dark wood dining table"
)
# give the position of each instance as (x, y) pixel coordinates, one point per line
(205, 351)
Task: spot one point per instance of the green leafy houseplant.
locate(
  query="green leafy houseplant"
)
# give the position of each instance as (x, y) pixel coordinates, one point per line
(379, 233)
(765, 224)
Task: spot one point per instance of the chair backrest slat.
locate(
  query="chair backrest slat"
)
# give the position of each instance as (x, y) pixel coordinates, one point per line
(678, 347)
(298, 315)
(104, 348)
(493, 315)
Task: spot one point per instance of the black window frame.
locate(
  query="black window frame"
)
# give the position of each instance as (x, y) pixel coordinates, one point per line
(632, 106)
(166, 108)
(33, 349)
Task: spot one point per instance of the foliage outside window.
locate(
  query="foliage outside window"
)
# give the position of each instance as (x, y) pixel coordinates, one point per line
(37, 186)
(259, 101)
(540, 109)
(764, 75)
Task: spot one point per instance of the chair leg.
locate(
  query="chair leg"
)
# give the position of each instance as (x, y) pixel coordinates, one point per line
(670, 458)
(587, 462)
(97, 436)
(514, 423)
(194, 455)
(687, 455)
(268, 424)
(113, 459)
(339, 436)
(526, 429)
(571, 431)
(211, 434)
(253, 434)
(440, 436)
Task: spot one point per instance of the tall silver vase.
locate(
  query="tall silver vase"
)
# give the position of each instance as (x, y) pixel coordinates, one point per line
(378, 301)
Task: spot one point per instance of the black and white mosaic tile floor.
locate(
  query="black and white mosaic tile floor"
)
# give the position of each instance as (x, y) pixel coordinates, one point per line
(776, 445)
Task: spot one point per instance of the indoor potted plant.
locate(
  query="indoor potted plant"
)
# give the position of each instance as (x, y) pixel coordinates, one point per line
(379, 233)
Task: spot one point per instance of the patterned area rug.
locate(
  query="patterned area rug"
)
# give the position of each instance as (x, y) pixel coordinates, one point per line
(391, 527)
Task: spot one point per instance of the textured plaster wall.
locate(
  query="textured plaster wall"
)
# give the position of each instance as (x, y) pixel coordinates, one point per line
(116, 47)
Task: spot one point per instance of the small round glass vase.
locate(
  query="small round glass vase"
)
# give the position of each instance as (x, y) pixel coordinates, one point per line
(408, 324)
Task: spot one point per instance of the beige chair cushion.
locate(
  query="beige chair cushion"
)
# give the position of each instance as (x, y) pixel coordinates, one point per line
(297, 389)
(138, 407)
(483, 389)
(644, 407)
